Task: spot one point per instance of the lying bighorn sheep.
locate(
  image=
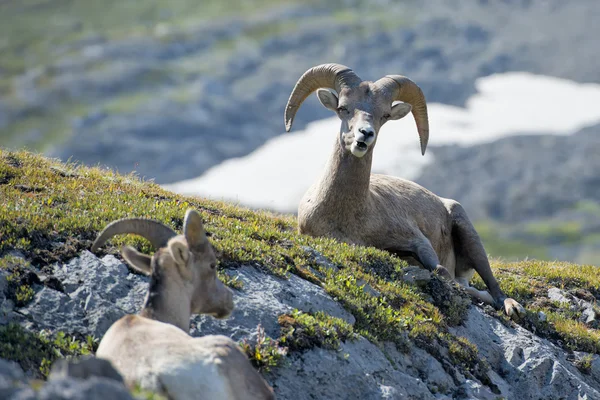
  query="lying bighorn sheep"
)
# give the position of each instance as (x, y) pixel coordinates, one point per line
(351, 205)
(153, 349)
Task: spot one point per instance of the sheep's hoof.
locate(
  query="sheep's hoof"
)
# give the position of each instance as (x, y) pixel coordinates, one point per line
(443, 272)
(512, 308)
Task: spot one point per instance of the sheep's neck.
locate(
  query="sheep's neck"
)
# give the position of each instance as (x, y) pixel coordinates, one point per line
(167, 302)
(345, 183)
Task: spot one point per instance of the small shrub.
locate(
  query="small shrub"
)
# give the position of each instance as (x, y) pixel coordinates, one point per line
(266, 353)
(20, 279)
(584, 364)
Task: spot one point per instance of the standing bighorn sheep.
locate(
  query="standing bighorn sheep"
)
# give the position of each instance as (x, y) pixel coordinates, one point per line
(349, 204)
(153, 349)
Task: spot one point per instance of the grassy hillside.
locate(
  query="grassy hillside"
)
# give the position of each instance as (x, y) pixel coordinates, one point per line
(51, 211)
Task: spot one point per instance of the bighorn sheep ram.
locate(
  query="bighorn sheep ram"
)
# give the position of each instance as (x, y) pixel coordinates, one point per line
(349, 204)
(153, 349)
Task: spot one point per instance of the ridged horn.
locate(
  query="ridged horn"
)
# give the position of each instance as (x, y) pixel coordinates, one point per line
(157, 233)
(331, 76)
(403, 89)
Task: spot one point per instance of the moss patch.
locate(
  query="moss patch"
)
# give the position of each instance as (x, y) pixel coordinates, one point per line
(301, 331)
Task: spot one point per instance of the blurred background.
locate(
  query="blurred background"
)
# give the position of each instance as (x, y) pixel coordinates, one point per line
(191, 94)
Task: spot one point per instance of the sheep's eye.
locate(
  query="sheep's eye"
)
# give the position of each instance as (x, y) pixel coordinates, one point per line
(342, 110)
(213, 265)
(386, 117)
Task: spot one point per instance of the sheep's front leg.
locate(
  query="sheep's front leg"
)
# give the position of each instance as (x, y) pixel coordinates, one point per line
(422, 252)
(429, 259)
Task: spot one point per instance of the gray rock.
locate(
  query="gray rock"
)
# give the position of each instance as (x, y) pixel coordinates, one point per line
(530, 367)
(359, 370)
(320, 259)
(13, 384)
(475, 390)
(265, 297)
(54, 310)
(84, 368)
(86, 379)
(89, 389)
(368, 288)
(97, 293)
(555, 294)
(542, 317)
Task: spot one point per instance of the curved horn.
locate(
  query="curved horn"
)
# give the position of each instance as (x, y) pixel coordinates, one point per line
(331, 76)
(403, 89)
(155, 232)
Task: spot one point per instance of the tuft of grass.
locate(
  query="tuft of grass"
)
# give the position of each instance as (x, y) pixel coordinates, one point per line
(37, 351)
(265, 353)
(584, 364)
(232, 282)
(301, 331)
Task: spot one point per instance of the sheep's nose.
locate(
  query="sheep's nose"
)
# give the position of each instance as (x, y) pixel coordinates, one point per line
(367, 132)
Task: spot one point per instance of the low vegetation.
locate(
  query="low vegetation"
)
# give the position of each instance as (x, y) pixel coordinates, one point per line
(301, 331)
(36, 352)
(265, 352)
(52, 211)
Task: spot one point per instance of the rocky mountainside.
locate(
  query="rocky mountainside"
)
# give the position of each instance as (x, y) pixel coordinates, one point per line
(318, 318)
(171, 90)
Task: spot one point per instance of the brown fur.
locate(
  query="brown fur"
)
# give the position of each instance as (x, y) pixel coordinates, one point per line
(351, 205)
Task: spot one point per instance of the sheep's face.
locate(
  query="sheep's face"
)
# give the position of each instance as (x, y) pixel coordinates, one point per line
(186, 267)
(196, 265)
(209, 295)
(363, 110)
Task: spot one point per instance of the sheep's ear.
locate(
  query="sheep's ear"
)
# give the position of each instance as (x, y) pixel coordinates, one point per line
(137, 261)
(328, 99)
(179, 251)
(400, 110)
(193, 230)
(181, 255)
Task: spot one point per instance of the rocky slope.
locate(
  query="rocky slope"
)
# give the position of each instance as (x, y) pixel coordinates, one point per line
(320, 319)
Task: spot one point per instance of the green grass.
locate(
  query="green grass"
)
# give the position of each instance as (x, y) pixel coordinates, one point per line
(46, 202)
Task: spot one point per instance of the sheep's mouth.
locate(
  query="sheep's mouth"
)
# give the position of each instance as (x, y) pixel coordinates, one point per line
(362, 146)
